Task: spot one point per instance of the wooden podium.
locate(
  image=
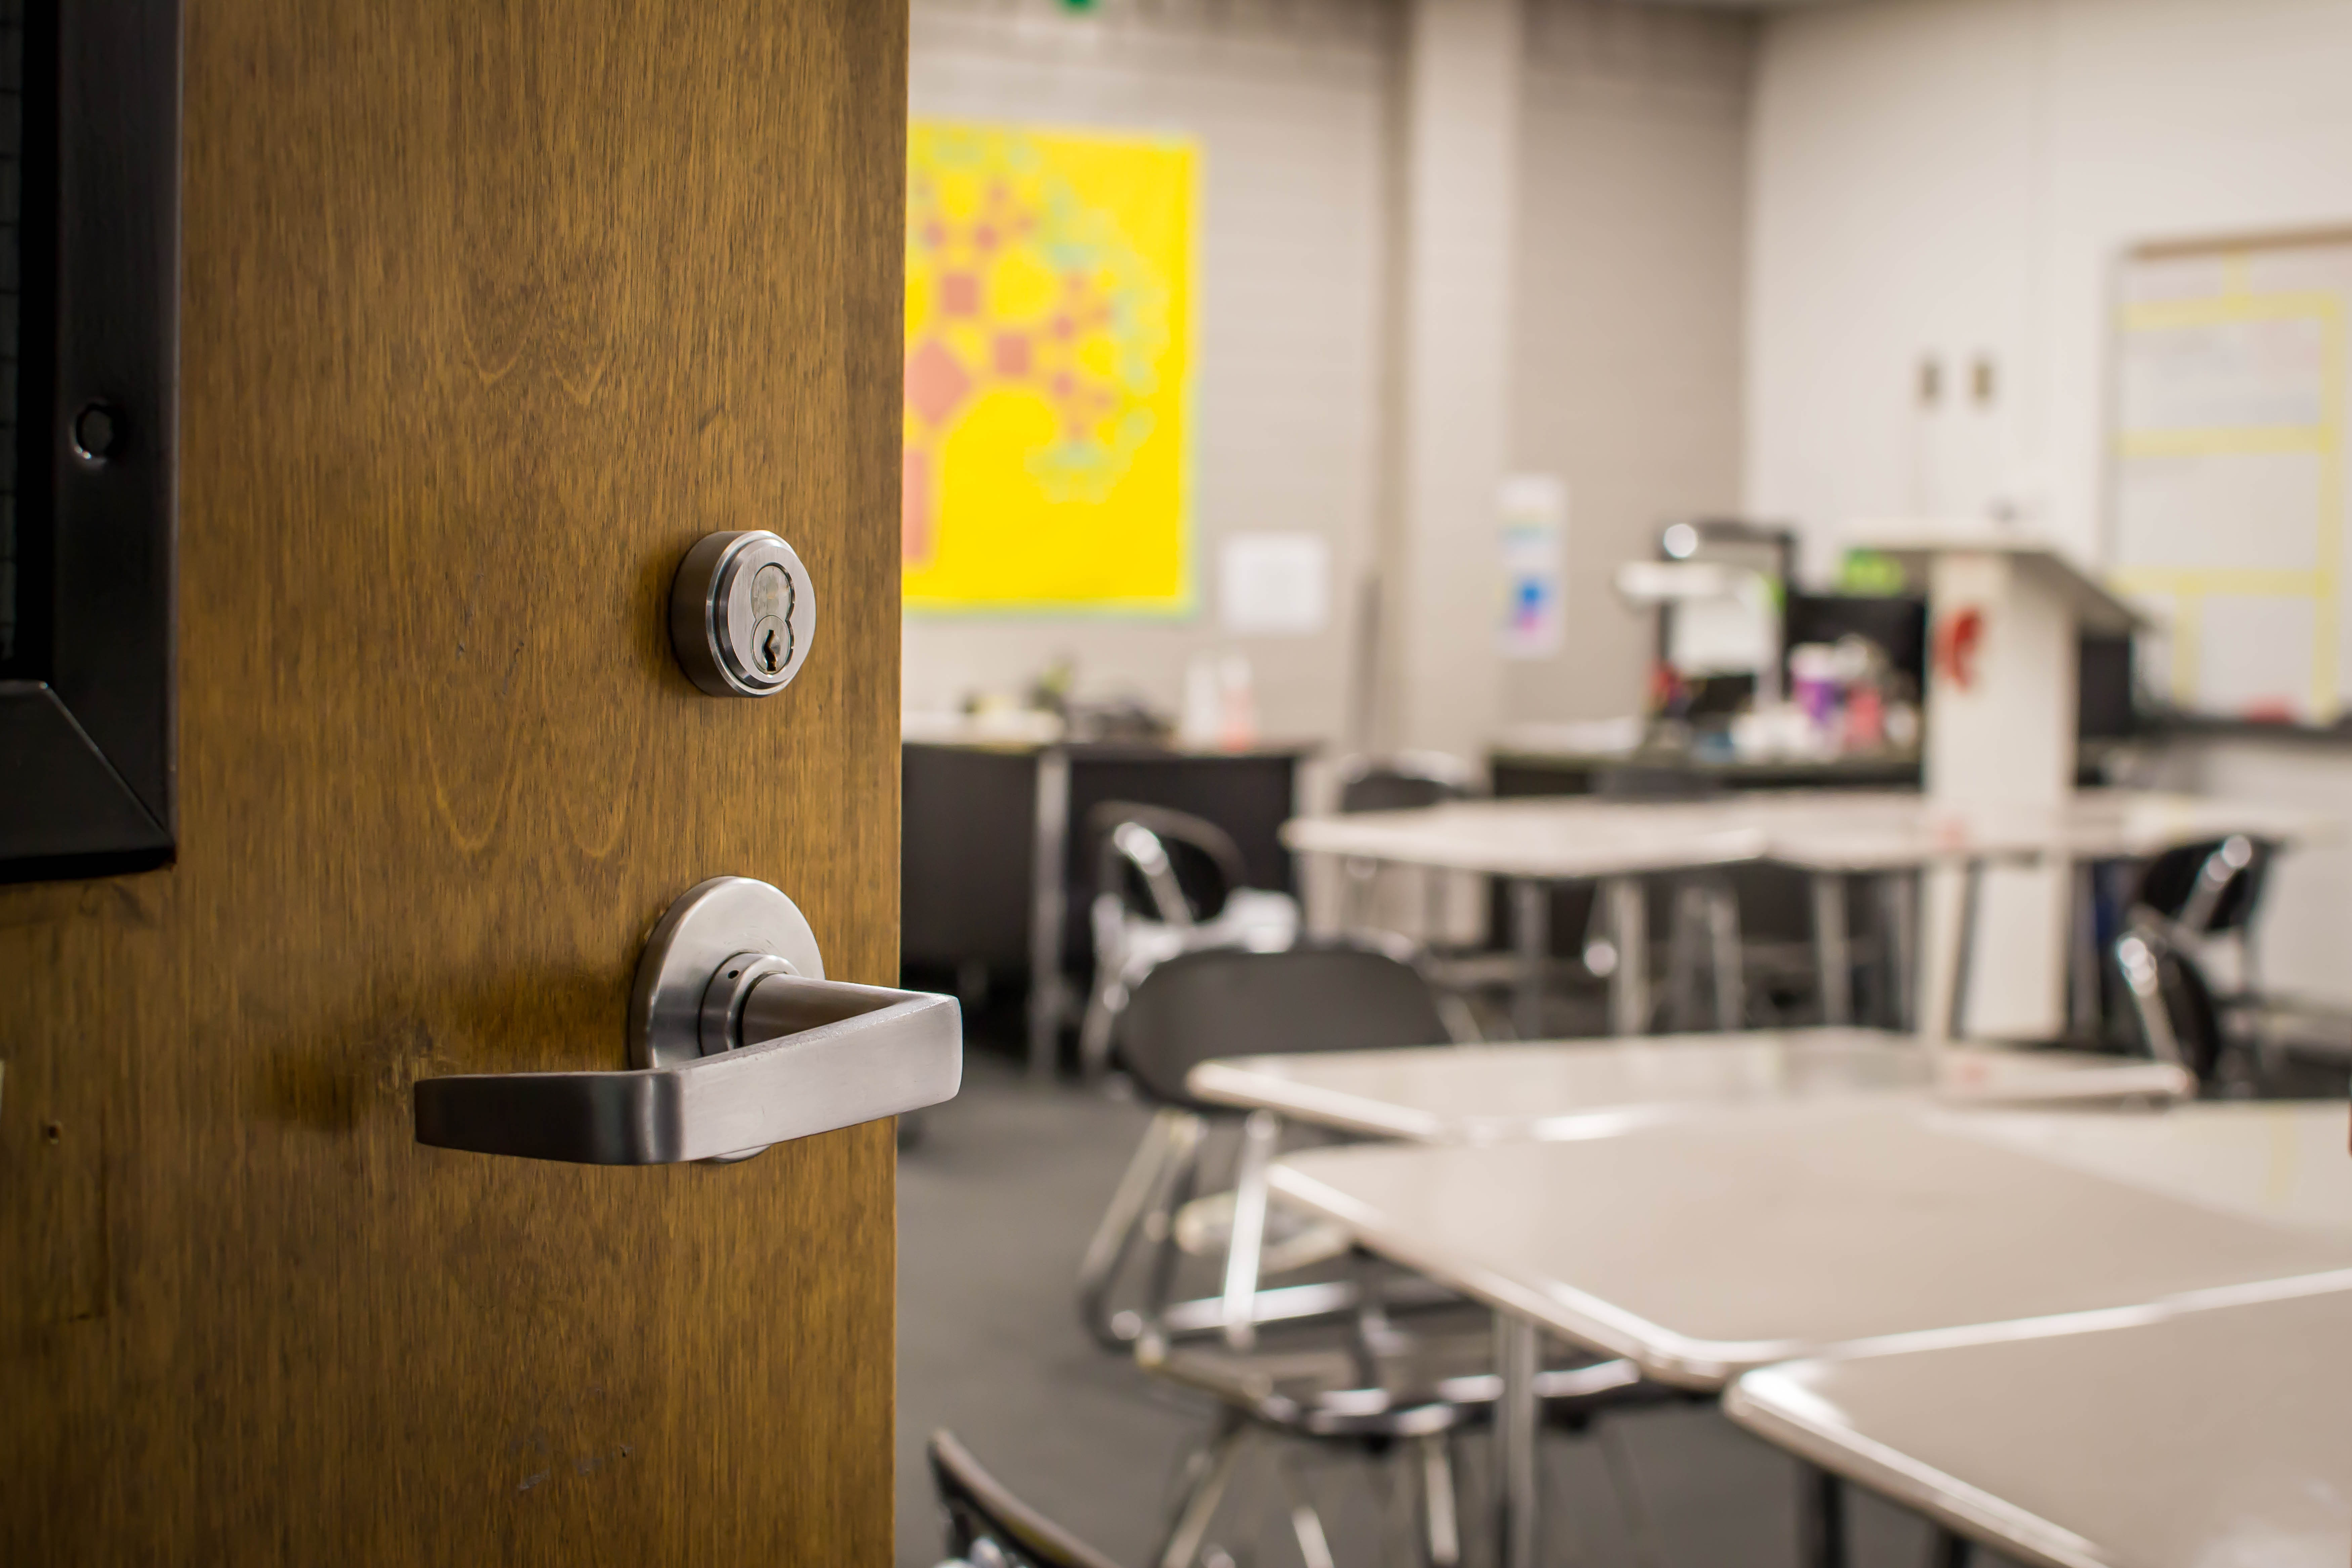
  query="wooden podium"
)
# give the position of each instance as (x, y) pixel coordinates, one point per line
(2005, 616)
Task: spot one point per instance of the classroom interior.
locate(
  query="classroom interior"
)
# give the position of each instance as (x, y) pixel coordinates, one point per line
(1176, 783)
(1747, 613)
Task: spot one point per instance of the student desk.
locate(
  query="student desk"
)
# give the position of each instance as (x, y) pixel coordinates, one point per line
(2174, 1441)
(1703, 1247)
(2280, 1161)
(1585, 1088)
(1593, 1088)
(1530, 844)
(2214, 1436)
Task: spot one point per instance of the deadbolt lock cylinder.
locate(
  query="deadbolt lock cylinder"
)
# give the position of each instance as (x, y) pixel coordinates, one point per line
(742, 614)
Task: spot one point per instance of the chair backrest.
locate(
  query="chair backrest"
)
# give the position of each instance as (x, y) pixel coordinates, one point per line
(2207, 887)
(1204, 860)
(1406, 782)
(979, 1510)
(1227, 1002)
(2178, 1017)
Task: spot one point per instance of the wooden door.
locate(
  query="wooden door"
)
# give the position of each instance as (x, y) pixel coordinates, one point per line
(491, 309)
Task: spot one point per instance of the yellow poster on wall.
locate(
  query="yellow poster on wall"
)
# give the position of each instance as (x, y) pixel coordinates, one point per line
(1048, 371)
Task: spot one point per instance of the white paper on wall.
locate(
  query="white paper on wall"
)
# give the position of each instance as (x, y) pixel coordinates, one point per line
(1534, 540)
(2227, 490)
(1274, 584)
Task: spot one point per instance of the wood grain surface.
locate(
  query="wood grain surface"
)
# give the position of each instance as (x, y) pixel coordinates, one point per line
(490, 310)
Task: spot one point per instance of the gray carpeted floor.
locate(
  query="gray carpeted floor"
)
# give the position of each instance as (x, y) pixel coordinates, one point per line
(995, 1203)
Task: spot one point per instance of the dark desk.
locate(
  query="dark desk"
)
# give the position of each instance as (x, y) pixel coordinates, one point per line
(994, 862)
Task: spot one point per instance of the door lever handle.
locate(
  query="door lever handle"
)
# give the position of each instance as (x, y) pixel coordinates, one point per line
(738, 1041)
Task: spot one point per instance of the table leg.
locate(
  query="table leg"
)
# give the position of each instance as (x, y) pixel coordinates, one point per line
(1516, 1417)
(1832, 957)
(1531, 937)
(1629, 930)
(1898, 893)
(1943, 1002)
(1821, 1519)
(1950, 1550)
(1046, 914)
(1964, 953)
(2084, 1012)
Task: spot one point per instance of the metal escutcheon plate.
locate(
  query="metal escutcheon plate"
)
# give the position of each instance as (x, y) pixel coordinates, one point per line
(709, 924)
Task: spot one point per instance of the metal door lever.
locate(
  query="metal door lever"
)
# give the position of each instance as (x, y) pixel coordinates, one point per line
(738, 1041)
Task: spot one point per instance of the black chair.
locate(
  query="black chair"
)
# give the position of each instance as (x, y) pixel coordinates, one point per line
(988, 1527)
(1405, 782)
(2207, 890)
(2186, 897)
(1408, 781)
(1166, 882)
(1704, 913)
(1203, 861)
(1393, 1389)
(1316, 996)
(1383, 1362)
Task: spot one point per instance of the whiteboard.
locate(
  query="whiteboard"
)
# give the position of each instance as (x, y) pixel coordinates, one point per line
(2227, 498)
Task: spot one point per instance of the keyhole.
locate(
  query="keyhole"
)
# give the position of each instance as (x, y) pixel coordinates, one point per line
(772, 652)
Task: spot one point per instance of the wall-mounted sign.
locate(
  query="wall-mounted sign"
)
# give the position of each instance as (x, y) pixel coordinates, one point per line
(1534, 509)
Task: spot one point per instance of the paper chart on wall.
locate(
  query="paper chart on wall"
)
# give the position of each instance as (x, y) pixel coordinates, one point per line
(1047, 418)
(2227, 500)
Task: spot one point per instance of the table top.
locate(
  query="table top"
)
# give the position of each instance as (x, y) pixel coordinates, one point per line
(2194, 1440)
(1701, 1247)
(1572, 836)
(1587, 1089)
(2280, 1161)
(1562, 836)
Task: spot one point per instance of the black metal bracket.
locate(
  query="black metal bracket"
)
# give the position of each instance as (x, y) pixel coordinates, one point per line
(87, 680)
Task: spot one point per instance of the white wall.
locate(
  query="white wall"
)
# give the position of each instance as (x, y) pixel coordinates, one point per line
(1289, 106)
(1458, 140)
(1624, 274)
(1631, 267)
(1957, 179)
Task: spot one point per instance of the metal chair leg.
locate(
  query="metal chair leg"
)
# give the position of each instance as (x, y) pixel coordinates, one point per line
(1440, 1505)
(1261, 1131)
(1160, 1230)
(1213, 1471)
(1640, 1528)
(1171, 1140)
(1103, 1009)
(2143, 981)
(1306, 1524)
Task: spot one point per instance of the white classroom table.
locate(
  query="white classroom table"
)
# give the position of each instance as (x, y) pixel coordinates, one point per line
(1530, 843)
(1593, 1088)
(2204, 1439)
(2282, 1161)
(1583, 1089)
(1703, 1247)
